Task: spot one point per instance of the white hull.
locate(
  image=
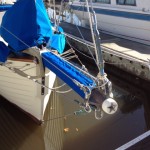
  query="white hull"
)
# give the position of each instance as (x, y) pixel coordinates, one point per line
(23, 92)
(121, 22)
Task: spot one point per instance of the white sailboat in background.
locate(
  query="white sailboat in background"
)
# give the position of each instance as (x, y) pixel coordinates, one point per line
(129, 19)
(31, 55)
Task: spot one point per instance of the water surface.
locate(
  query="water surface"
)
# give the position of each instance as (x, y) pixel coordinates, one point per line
(77, 132)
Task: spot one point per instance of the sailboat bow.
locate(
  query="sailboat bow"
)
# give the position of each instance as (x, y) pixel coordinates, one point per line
(28, 31)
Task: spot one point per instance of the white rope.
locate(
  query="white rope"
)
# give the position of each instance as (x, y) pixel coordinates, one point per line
(36, 81)
(8, 66)
(53, 89)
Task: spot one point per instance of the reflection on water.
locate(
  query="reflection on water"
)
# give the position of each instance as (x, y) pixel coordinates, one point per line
(110, 132)
(18, 132)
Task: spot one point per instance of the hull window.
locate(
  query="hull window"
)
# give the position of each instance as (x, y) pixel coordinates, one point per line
(126, 2)
(99, 1)
(103, 1)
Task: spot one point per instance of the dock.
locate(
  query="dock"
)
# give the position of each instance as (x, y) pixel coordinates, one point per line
(127, 55)
(141, 142)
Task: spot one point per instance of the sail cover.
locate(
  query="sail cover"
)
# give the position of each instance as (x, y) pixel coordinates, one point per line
(26, 24)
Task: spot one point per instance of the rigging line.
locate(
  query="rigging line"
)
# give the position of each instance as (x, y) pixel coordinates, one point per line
(53, 89)
(36, 81)
(91, 27)
(82, 53)
(78, 113)
(75, 113)
(63, 92)
(18, 67)
(78, 58)
(69, 76)
(76, 48)
(59, 117)
(86, 44)
(58, 87)
(84, 39)
(104, 61)
(105, 47)
(99, 86)
(91, 46)
(28, 68)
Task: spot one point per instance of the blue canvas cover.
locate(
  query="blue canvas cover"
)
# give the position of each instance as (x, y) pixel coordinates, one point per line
(58, 41)
(4, 52)
(26, 24)
(67, 72)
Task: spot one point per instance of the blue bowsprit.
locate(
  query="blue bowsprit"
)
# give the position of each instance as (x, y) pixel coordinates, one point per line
(68, 73)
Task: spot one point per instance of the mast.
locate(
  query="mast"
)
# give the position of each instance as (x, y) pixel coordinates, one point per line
(96, 38)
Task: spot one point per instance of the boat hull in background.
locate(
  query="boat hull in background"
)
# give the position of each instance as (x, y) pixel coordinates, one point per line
(129, 24)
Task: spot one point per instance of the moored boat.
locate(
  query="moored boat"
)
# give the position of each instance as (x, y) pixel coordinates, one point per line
(129, 19)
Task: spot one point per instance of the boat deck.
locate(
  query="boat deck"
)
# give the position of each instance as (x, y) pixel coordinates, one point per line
(117, 51)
